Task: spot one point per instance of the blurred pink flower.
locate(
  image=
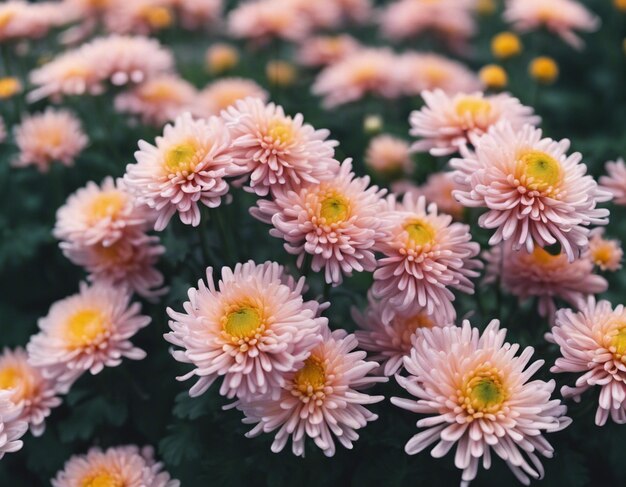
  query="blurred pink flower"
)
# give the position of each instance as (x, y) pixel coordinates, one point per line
(12, 425)
(262, 20)
(388, 155)
(604, 253)
(615, 182)
(223, 93)
(437, 189)
(325, 50)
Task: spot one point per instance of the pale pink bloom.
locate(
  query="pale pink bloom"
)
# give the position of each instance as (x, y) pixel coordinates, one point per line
(615, 182)
(47, 137)
(604, 253)
(325, 50)
(543, 276)
(25, 20)
(428, 71)
(127, 466)
(477, 395)
(197, 14)
(563, 17)
(360, 11)
(388, 343)
(279, 152)
(101, 214)
(87, 332)
(158, 100)
(130, 261)
(426, 255)
(321, 14)
(142, 17)
(447, 123)
(534, 192)
(593, 342)
(28, 388)
(251, 329)
(223, 93)
(320, 399)
(335, 224)
(389, 155)
(185, 169)
(115, 59)
(12, 425)
(437, 189)
(367, 71)
(262, 20)
(452, 20)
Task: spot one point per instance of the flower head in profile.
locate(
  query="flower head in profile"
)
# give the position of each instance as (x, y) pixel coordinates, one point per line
(426, 255)
(127, 466)
(563, 17)
(476, 393)
(366, 71)
(143, 17)
(26, 20)
(335, 222)
(278, 151)
(326, 50)
(605, 253)
(615, 181)
(101, 214)
(223, 93)
(263, 20)
(534, 192)
(389, 155)
(12, 424)
(158, 100)
(389, 343)
(593, 345)
(544, 276)
(321, 399)
(87, 332)
(448, 123)
(185, 169)
(28, 387)
(250, 329)
(47, 137)
(438, 189)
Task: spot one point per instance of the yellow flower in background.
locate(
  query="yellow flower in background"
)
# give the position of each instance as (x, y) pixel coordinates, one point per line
(620, 5)
(506, 45)
(9, 86)
(158, 17)
(486, 7)
(544, 69)
(280, 73)
(493, 76)
(372, 124)
(221, 57)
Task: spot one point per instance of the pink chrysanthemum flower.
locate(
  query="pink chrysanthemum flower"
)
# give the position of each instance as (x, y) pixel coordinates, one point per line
(28, 387)
(562, 17)
(534, 192)
(389, 155)
(351, 78)
(47, 137)
(279, 152)
(320, 399)
(615, 182)
(425, 256)
(448, 123)
(427, 71)
(158, 100)
(187, 167)
(130, 261)
(477, 395)
(12, 425)
(326, 50)
(101, 214)
(437, 189)
(223, 93)
(336, 223)
(25, 20)
(389, 342)
(87, 332)
(262, 20)
(543, 276)
(250, 329)
(604, 253)
(196, 14)
(126, 466)
(593, 342)
(142, 17)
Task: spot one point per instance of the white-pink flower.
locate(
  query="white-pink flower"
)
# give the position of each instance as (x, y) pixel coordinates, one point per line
(263, 20)
(615, 181)
(321, 399)
(250, 329)
(477, 394)
(87, 332)
(326, 50)
(12, 425)
(534, 193)
(223, 93)
(388, 155)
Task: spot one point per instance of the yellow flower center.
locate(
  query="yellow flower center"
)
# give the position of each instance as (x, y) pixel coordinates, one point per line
(243, 322)
(542, 171)
(603, 254)
(483, 392)
(84, 327)
(311, 377)
(19, 379)
(5, 18)
(365, 74)
(542, 257)
(158, 92)
(420, 232)
(9, 87)
(157, 17)
(335, 209)
(281, 133)
(50, 137)
(472, 106)
(227, 97)
(182, 158)
(435, 75)
(618, 342)
(102, 479)
(105, 205)
(222, 58)
(10, 377)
